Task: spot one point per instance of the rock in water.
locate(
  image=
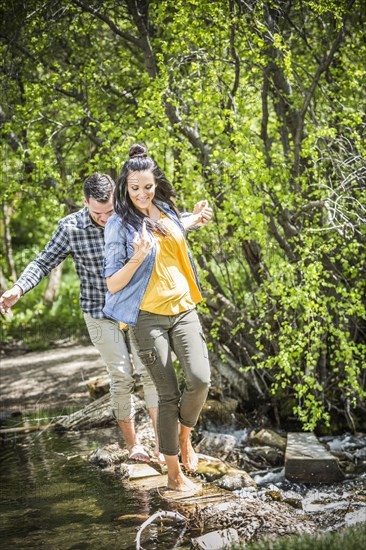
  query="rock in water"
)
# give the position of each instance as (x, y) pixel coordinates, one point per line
(268, 437)
(217, 444)
(308, 461)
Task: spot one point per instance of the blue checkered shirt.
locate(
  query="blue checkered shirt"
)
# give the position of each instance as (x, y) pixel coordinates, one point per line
(76, 236)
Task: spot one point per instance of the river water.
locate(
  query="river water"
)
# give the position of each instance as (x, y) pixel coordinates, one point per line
(52, 498)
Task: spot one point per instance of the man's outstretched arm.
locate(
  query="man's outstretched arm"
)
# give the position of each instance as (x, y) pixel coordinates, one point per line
(51, 256)
(202, 214)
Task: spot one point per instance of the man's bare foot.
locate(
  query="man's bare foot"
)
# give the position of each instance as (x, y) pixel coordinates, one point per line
(181, 483)
(189, 457)
(138, 453)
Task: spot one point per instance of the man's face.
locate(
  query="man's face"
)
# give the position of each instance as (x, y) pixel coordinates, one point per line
(99, 211)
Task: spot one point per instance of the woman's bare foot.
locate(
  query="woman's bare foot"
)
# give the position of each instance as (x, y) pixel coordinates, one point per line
(189, 457)
(180, 483)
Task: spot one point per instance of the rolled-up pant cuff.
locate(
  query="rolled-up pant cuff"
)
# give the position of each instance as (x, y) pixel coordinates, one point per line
(169, 453)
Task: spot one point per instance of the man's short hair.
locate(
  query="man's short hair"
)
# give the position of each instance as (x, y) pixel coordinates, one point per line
(99, 187)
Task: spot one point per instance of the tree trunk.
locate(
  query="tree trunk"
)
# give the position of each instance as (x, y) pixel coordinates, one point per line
(53, 285)
(7, 214)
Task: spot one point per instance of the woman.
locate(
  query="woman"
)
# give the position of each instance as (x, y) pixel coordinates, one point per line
(153, 287)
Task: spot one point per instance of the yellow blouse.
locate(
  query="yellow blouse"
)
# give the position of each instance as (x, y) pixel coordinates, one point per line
(172, 288)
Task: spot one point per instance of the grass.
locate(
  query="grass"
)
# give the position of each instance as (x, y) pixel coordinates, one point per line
(349, 538)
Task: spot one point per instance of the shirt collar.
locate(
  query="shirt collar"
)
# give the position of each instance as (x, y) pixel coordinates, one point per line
(86, 220)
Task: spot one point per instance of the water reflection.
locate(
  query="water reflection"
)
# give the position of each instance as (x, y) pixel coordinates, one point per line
(51, 497)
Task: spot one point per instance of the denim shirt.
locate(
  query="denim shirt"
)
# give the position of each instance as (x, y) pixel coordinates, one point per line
(124, 305)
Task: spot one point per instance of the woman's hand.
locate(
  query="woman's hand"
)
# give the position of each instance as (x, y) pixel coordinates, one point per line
(142, 246)
(142, 243)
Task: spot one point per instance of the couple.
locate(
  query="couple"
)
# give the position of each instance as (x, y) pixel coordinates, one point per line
(81, 235)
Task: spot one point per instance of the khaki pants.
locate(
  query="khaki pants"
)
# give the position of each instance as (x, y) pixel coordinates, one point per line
(112, 346)
(156, 337)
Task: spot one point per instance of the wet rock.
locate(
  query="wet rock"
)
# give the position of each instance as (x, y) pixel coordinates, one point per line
(270, 455)
(112, 458)
(294, 502)
(224, 475)
(274, 495)
(211, 468)
(255, 518)
(217, 444)
(217, 540)
(308, 461)
(269, 438)
(219, 412)
(235, 480)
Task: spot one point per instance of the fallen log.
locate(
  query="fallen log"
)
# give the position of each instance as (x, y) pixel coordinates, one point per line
(98, 413)
(26, 429)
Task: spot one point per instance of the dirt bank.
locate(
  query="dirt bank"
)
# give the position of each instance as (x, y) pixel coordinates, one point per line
(51, 378)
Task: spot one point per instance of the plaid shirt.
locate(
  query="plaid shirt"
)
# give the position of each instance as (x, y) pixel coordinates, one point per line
(80, 238)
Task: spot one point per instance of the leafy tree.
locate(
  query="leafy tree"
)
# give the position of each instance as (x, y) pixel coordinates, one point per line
(258, 104)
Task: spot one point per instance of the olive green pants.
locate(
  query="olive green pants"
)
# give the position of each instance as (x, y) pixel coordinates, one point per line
(156, 337)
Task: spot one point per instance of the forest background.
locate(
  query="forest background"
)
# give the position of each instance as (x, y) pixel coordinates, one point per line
(258, 106)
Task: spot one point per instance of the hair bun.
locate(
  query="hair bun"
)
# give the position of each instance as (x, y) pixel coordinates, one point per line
(137, 150)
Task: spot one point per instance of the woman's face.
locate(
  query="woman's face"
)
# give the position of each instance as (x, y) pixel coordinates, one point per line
(141, 189)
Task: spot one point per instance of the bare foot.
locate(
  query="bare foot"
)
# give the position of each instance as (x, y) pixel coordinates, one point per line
(181, 483)
(189, 457)
(138, 453)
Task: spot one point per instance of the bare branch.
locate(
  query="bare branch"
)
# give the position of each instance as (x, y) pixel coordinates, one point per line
(108, 21)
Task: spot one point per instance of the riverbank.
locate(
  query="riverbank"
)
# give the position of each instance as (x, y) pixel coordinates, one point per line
(48, 480)
(52, 378)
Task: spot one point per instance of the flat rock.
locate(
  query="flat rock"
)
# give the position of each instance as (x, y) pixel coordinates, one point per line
(141, 471)
(216, 540)
(201, 495)
(308, 461)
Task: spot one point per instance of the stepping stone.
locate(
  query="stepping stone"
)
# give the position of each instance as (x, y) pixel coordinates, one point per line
(217, 540)
(203, 493)
(141, 471)
(308, 461)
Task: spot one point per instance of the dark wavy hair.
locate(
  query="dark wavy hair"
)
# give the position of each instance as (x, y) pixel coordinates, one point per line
(99, 187)
(139, 161)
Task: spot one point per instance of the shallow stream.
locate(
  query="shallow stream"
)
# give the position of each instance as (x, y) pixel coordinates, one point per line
(52, 498)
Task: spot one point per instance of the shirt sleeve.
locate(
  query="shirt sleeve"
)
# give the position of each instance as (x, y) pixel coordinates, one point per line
(55, 251)
(115, 248)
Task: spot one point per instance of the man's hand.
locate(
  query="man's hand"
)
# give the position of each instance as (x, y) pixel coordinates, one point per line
(10, 298)
(204, 212)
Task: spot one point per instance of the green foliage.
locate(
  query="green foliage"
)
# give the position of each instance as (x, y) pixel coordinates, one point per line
(258, 107)
(38, 326)
(346, 539)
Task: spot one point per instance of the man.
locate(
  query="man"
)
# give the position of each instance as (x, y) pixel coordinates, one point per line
(81, 235)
